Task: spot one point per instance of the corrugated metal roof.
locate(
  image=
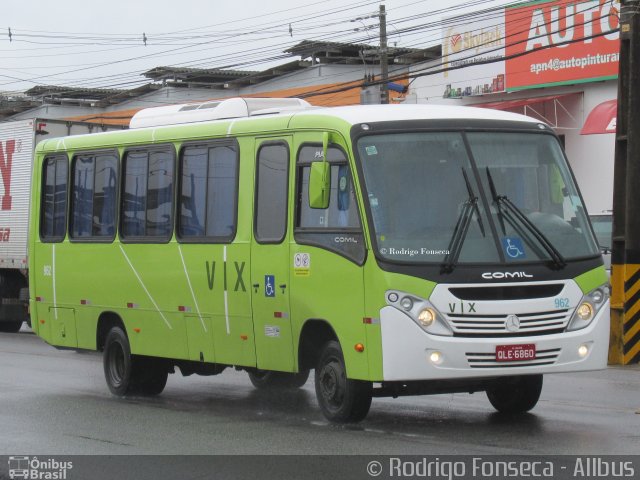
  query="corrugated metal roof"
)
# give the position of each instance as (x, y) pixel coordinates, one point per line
(207, 75)
(72, 92)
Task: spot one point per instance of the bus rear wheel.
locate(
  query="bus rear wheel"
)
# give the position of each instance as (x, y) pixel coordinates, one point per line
(130, 374)
(10, 327)
(341, 400)
(266, 379)
(516, 394)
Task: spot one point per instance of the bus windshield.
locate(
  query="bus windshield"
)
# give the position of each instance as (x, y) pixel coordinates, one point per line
(474, 197)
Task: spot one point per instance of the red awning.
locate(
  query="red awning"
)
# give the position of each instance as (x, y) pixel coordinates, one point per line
(520, 102)
(602, 119)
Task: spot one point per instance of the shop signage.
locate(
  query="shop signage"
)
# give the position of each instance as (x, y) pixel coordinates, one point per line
(561, 42)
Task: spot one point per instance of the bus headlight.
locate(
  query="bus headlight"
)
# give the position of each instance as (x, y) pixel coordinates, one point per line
(588, 307)
(585, 311)
(421, 312)
(427, 317)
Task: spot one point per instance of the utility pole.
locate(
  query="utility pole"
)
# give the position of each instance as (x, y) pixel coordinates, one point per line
(625, 259)
(384, 59)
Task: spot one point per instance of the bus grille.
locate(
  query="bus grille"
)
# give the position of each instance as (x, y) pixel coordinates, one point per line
(537, 323)
(488, 360)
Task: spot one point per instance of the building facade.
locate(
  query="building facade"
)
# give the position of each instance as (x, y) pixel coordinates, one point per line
(553, 60)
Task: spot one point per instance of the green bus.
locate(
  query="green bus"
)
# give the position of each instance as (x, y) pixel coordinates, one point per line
(393, 249)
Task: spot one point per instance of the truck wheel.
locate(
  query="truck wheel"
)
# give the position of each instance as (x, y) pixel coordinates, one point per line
(266, 379)
(341, 400)
(129, 374)
(10, 327)
(515, 394)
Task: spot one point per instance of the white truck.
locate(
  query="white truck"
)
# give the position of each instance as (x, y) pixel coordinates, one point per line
(17, 142)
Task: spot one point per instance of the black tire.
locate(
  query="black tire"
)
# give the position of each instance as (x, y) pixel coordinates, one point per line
(10, 327)
(515, 394)
(266, 379)
(128, 374)
(151, 376)
(341, 400)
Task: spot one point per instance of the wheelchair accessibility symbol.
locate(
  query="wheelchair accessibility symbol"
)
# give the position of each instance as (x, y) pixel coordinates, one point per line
(269, 286)
(513, 248)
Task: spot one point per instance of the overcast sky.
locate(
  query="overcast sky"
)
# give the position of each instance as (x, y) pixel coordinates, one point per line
(101, 44)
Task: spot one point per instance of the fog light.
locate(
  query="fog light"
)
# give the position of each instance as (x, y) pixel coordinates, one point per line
(406, 303)
(585, 311)
(426, 317)
(393, 297)
(435, 357)
(583, 350)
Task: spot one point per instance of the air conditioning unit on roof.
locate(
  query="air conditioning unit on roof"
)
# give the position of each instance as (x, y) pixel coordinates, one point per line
(216, 110)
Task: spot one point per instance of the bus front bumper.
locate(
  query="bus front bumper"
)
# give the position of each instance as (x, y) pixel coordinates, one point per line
(409, 353)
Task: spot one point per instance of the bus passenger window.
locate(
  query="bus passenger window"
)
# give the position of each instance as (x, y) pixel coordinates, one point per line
(53, 210)
(208, 193)
(93, 196)
(147, 197)
(159, 195)
(318, 227)
(343, 209)
(271, 193)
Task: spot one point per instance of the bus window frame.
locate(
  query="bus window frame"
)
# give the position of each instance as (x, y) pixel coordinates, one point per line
(148, 148)
(54, 239)
(298, 231)
(92, 238)
(271, 143)
(207, 239)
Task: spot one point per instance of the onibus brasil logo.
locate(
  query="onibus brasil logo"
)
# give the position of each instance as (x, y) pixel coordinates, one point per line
(33, 468)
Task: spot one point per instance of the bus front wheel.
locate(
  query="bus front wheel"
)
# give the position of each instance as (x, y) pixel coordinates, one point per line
(341, 400)
(266, 379)
(515, 394)
(130, 374)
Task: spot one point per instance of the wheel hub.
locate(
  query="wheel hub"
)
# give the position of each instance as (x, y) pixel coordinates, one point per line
(332, 384)
(117, 364)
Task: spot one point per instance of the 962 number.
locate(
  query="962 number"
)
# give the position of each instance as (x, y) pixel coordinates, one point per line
(562, 302)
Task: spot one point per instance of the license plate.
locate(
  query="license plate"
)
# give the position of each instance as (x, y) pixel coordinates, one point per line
(515, 353)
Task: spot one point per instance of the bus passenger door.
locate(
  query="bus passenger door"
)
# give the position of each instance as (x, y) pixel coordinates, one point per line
(269, 256)
(328, 252)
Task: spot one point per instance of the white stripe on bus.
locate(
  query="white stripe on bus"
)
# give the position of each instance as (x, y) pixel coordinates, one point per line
(193, 295)
(230, 127)
(145, 288)
(53, 276)
(226, 300)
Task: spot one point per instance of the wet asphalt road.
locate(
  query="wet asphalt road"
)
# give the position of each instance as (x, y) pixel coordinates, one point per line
(57, 402)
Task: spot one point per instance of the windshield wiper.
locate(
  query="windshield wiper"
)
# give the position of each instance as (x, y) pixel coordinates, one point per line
(513, 211)
(469, 207)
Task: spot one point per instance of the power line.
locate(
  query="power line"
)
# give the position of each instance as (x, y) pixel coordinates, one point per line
(479, 62)
(156, 54)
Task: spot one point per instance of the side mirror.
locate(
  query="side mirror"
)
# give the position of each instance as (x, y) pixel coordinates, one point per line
(319, 185)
